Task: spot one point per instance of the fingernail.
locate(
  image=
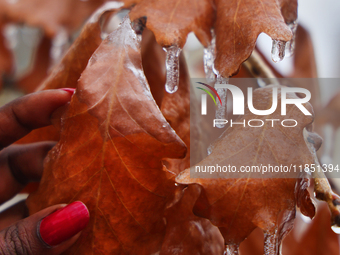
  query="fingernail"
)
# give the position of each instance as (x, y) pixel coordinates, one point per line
(69, 90)
(64, 223)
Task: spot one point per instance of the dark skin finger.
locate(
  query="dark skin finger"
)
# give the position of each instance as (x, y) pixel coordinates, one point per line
(24, 114)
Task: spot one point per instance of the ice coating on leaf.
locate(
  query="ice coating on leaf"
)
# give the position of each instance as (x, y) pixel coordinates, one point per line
(271, 244)
(278, 50)
(172, 68)
(112, 139)
(290, 46)
(209, 58)
(221, 109)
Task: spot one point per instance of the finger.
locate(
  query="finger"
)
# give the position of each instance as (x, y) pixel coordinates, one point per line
(22, 115)
(46, 232)
(13, 214)
(20, 164)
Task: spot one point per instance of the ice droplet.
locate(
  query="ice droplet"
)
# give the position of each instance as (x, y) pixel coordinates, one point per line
(336, 229)
(231, 250)
(210, 149)
(172, 68)
(290, 46)
(221, 109)
(278, 50)
(59, 45)
(209, 58)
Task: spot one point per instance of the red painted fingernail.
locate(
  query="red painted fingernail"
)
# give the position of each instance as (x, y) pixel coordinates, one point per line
(69, 90)
(64, 223)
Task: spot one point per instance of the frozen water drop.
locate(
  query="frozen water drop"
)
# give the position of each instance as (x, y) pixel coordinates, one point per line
(209, 58)
(278, 50)
(231, 250)
(336, 229)
(172, 68)
(210, 149)
(290, 46)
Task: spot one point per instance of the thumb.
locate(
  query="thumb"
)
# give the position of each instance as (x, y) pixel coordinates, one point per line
(50, 231)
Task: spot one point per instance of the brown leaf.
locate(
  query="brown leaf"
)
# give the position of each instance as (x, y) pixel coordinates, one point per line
(304, 59)
(172, 21)
(51, 15)
(66, 73)
(313, 238)
(113, 140)
(289, 10)
(187, 233)
(238, 24)
(306, 238)
(237, 204)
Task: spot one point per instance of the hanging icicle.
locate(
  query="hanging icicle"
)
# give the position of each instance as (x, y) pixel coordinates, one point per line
(172, 68)
(221, 109)
(278, 50)
(209, 58)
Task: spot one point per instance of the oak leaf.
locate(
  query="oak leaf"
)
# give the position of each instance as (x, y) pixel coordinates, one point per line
(52, 16)
(238, 24)
(187, 233)
(236, 203)
(67, 72)
(113, 140)
(172, 21)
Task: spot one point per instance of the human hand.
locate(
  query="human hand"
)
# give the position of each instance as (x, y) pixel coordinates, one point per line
(56, 228)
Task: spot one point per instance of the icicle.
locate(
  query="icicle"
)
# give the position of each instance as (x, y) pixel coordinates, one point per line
(59, 45)
(11, 33)
(221, 109)
(290, 46)
(231, 250)
(271, 245)
(172, 68)
(209, 58)
(278, 50)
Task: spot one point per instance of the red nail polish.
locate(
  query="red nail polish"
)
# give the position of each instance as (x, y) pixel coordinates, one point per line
(69, 90)
(64, 223)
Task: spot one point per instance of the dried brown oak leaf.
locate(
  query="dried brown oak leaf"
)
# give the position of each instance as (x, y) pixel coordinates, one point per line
(237, 204)
(172, 21)
(67, 72)
(238, 24)
(51, 15)
(185, 232)
(113, 140)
